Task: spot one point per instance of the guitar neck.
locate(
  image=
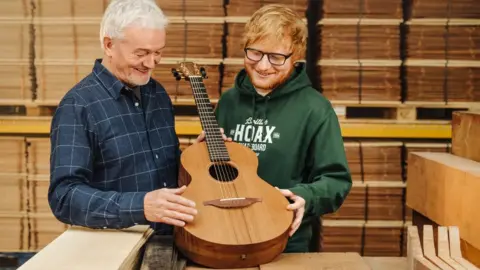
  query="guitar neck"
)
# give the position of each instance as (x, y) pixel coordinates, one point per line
(215, 144)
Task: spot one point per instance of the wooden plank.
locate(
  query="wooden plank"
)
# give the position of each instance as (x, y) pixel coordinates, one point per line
(415, 259)
(444, 248)
(455, 250)
(429, 248)
(434, 182)
(465, 131)
(121, 247)
(351, 261)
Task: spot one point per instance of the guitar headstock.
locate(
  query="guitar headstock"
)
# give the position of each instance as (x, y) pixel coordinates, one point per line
(187, 69)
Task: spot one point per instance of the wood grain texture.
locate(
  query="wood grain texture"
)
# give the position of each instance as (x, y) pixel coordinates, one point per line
(465, 135)
(315, 261)
(429, 248)
(219, 237)
(415, 258)
(443, 248)
(434, 183)
(92, 249)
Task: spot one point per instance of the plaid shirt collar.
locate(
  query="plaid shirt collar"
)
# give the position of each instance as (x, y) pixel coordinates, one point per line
(111, 83)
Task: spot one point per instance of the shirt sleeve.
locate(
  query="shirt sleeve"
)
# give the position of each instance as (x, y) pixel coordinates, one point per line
(72, 198)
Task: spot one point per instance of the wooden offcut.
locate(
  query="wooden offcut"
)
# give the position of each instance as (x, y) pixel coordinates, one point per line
(443, 187)
(98, 249)
(465, 135)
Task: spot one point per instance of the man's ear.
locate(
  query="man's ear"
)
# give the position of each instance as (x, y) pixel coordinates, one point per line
(108, 46)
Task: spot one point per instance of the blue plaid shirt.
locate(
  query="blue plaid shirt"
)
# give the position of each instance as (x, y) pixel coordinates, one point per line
(108, 150)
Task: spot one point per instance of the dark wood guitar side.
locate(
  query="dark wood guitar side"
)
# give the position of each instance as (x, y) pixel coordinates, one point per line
(242, 220)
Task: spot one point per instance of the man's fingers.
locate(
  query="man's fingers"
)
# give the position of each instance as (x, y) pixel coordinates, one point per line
(182, 209)
(298, 203)
(285, 192)
(178, 216)
(180, 200)
(177, 191)
(172, 221)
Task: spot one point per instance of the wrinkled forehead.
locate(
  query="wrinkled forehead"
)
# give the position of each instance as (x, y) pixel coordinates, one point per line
(144, 37)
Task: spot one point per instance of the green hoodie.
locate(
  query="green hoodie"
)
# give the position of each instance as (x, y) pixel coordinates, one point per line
(296, 135)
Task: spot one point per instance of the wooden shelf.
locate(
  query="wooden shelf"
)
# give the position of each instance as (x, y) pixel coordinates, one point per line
(190, 126)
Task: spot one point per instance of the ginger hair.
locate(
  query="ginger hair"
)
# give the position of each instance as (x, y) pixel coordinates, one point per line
(277, 23)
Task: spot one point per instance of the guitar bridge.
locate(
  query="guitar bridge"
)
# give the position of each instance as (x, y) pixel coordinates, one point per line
(232, 202)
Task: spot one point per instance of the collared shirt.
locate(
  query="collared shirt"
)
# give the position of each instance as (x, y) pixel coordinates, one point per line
(107, 152)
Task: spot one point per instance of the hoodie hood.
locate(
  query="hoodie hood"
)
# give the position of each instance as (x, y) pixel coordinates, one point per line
(297, 81)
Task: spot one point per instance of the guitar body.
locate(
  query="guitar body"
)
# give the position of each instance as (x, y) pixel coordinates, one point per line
(231, 233)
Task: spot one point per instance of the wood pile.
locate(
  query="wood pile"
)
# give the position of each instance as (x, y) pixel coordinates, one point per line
(372, 202)
(195, 38)
(87, 8)
(434, 41)
(234, 39)
(434, 82)
(338, 40)
(380, 238)
(201, 8)
(231, 69)
(247, 8)
(443, 9)
(360, 80)
(378, 9)
(383, 239)
(374, 161)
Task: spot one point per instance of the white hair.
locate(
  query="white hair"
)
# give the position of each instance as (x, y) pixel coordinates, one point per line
(123, 13)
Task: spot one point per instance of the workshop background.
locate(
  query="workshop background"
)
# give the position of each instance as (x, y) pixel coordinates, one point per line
(395, 71)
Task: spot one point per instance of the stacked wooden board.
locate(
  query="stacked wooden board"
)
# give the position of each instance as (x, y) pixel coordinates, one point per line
(442, 52)
(25, 217)
(375, 208)
(442, 187)
(358, 51)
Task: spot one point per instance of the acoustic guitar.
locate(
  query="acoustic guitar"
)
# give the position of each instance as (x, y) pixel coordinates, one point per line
(242, 220)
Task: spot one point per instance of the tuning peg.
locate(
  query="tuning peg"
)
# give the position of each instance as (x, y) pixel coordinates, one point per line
(203, 72)
(175, 73)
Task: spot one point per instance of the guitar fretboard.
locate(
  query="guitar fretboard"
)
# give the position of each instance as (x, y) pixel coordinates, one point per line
(215, 144)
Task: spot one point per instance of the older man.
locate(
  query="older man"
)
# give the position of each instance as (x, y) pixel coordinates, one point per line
(115, 154)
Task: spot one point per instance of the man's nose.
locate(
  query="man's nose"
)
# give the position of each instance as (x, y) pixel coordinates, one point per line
(150, 61)
(264, 64)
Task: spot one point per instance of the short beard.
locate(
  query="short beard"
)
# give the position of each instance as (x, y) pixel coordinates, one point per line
(274, 84)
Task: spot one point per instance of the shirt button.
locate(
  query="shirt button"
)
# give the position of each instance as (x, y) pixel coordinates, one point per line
(136, 104)
(156, 156)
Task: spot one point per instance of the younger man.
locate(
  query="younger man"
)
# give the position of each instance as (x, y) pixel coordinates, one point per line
(273, 109)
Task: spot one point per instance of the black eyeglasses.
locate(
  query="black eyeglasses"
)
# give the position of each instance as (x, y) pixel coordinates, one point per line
(276, 59)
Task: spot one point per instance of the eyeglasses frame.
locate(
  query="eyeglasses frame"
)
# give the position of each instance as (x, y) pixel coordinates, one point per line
(246, 49)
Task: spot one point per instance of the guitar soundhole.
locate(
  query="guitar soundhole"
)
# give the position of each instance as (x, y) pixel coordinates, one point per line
(223, 172)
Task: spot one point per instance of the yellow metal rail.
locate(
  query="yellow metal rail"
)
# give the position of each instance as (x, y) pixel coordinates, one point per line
(190, 126)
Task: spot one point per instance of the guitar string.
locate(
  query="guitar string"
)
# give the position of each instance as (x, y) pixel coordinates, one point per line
(219, 144)
(203, 108)
(213, 143)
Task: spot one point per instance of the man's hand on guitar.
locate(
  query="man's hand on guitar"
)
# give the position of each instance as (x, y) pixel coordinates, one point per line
(298, 206)
(201, 137)
(168, 206)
